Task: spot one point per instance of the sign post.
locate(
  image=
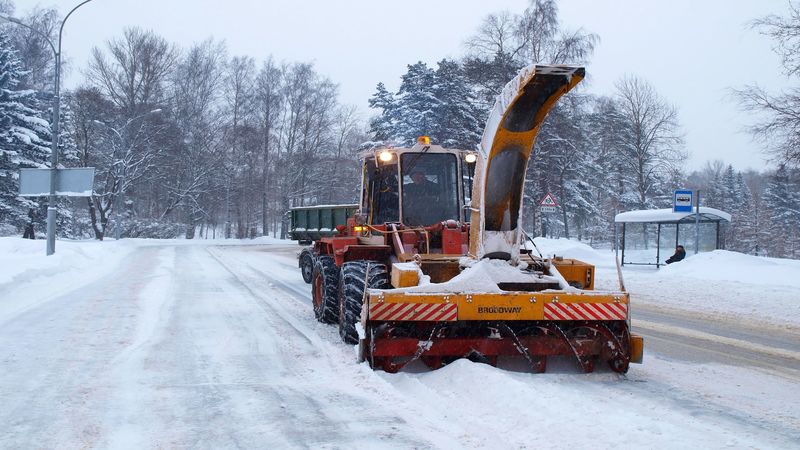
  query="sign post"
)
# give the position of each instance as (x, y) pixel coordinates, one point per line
(697, 225)
(687, 201)
(547, 205)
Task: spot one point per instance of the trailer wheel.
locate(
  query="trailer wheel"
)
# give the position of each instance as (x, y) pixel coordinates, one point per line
(306, 266)
(324, 289)
(351, 293)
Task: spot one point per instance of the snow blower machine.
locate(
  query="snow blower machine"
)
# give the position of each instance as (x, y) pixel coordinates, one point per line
(430, 264)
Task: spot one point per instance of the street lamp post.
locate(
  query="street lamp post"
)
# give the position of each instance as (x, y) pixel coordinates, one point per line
(51, 202)
(123, 144)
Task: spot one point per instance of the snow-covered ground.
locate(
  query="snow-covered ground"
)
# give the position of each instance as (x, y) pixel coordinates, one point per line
(718, 283)
(198, 344)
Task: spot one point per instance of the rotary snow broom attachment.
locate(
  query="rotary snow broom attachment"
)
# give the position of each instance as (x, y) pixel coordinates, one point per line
(462, 287)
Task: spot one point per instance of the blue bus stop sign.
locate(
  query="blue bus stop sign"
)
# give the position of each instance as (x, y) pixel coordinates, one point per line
(683, 200)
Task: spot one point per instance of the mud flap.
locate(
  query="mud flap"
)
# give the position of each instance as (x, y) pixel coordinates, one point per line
(361, 328)
(637, 348)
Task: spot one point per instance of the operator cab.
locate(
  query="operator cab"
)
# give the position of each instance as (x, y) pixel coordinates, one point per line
(418, 186)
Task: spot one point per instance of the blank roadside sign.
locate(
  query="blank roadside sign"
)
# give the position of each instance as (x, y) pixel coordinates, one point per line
(76, 182)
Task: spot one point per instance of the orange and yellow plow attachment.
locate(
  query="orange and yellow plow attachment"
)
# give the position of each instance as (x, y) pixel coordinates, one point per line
(437, 328)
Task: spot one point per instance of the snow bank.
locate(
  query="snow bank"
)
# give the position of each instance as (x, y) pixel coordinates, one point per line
(722, 265)
(24, 256)
(261, 240)
(573, 249)
(29, 277)
(719, 283)
(561, 410)
(719, 265)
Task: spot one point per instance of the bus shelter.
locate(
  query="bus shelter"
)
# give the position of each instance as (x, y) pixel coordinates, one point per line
(648, 237)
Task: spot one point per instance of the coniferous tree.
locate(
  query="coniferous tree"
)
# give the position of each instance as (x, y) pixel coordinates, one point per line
(383, 125)
(742, 235)
(437, 103)
(458, 118)
(416, 104)
(783, 202)
(24, 139)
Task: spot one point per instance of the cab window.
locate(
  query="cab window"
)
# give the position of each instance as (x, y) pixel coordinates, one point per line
(430, 188)
(380, 199)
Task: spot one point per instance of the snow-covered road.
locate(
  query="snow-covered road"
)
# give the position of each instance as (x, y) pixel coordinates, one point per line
(199, 346)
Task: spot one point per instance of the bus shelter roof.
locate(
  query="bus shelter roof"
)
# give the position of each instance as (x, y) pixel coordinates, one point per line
(668, 216)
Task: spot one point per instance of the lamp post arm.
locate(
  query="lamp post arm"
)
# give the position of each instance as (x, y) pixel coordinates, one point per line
(46, 38)
(61, 29)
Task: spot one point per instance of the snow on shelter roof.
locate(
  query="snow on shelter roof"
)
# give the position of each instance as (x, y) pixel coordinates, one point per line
(667, 216)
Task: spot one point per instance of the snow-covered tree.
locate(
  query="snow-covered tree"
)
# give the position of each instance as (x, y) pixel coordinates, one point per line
(416, 104)
(24, 139)
(779, 125)
(382, 126)
(459, 120)
(651, 146)
(782, 199)
(438, 103)
(504, 43)
(196, 160)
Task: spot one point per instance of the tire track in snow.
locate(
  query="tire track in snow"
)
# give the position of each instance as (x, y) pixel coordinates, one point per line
(65, 347)
(316, 377)
(781, 362)
(364, 403)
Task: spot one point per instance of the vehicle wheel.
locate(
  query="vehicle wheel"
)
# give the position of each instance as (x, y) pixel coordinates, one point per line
(324, 289)
(306, 266)
(351, 293)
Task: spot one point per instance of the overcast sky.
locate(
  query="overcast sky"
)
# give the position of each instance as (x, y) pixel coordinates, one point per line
(691, 51)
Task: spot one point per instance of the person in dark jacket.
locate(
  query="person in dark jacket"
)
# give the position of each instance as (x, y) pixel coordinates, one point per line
(680, 253)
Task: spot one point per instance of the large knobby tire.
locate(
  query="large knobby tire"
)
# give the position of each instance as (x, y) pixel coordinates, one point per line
(351, 293)
(324, 290)
(307, 266)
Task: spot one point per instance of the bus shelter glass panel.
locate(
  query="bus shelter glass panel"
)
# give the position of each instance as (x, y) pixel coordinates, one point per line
(708, 237)
(666, 241)
(641, 244)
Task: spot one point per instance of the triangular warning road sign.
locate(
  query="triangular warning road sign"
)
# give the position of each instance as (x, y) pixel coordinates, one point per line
(548, 200)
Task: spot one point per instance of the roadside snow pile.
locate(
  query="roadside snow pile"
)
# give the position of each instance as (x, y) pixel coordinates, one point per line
(261, 240)
(574, 249)
(485, 400)
(722, 265)
(24, 256)
(28, 276)
(720, 283)
(725, 284)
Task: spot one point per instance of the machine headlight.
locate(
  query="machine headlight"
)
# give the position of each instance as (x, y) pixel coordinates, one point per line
(385, 156)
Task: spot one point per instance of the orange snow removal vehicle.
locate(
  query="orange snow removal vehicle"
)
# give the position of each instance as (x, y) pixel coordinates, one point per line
(429, 265)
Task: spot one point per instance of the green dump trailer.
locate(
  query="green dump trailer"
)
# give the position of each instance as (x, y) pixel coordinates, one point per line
(310, 223)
